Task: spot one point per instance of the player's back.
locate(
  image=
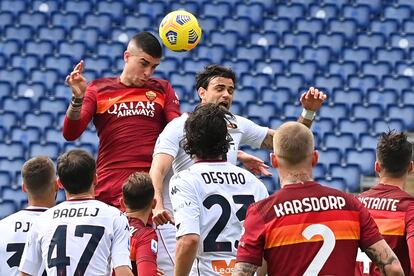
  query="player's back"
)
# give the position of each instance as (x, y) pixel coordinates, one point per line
(14, 230)
(80, 237)
(224, 192)
(393, 211)
(309, 229)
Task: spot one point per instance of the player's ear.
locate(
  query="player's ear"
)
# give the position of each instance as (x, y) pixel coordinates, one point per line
(126, 56)
(410, 167)
(377, 167)
(201, 93)
(273, 159)
(315, 157)
(122, 203)
(154, 203)
(24, 189)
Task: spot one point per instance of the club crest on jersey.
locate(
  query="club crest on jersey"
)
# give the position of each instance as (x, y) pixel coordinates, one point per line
(154, 246)
(151, 95)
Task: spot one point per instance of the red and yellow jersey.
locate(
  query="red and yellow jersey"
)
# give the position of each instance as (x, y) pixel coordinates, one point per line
(393, 212)
(307, 229)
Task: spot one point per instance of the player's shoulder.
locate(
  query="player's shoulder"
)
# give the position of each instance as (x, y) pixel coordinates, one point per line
(158, 84)
(102, 83)
(7, 221)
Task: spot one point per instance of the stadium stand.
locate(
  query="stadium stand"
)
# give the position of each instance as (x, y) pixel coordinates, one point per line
(361, 54)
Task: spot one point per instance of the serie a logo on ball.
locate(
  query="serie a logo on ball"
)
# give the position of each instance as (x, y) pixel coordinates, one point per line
(179, 31)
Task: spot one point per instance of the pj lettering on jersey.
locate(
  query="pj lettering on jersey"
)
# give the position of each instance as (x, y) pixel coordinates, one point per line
(75, 212)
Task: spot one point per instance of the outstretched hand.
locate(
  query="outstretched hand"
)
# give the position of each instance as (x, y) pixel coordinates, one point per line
(253, 164)
(77, 81)
(313, 99)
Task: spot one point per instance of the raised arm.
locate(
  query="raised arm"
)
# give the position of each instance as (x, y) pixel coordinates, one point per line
(384, 258)
(312, 101)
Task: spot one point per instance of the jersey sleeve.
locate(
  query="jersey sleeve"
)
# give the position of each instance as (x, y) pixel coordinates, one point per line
(409, 222)
(146, 254)
(168, 141)
(369, 230)
(120, 243)
(251, 245)
(253, 134)
(31, 261)
(72, 129)
(172, 104)
(185, 205)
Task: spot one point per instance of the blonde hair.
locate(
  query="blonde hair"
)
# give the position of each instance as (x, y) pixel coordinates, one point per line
(293, 142)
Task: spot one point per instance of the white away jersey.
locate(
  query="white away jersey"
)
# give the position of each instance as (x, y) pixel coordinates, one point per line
(79, 237)
(210, 199)
(14, 230)
(242, 130)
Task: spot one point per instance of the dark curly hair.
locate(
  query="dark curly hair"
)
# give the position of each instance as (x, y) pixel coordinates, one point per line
(394, 153)
(206, 135)
(204, 77)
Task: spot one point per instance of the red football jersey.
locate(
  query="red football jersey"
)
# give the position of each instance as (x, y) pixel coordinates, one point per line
(128, 121)
(307, 229)
(143, 248)
(393, 211)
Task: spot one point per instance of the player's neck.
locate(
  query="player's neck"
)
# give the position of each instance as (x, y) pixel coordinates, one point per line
(41, 203)
(86, 195)
(294, 177)
(398, 182)
(142, 215)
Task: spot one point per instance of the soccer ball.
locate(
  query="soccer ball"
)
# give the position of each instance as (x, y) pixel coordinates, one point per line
(179, 31)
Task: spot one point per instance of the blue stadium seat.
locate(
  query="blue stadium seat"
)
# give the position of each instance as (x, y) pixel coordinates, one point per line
(278, 96)
(323, 125)
(3, 133)
(276, 122)
(40, 120)
(156, 9)
(319, 171)
(399, 83)
(80, 7)
(6, 18)
(90, 137)
(341, 141)
(259, 81)
(348, 97)
(181, 93)
(335, 41)
(285, 54)
(12, 165)
(270, 184)
(320, 55)
(54, 34)
(50, 149)
(333, 182)
(380, 125)
(17, 105)
(384, 98)
(338, 3)
(324, 12)
(258, 120)
(298, 40)
(194, 66)
(48, 77)
(16, 194)
(372, 40)
(365, 158)
(27, 62)
(363, 82)
(12, 150)
(52, 134)
(355, 126)
(7, 207)
(378, 69)
(75, 49)
(407, 26)
(35, 19)
(307, 69)
(360, 13)
(228, 39)
(241, 25)
(219, 10)
(291, 110)
(190, 6)
(186, 80)
(237, 108)
(374, 5)
(369, 112)
(6, 89)
(9, 119)
(293, 11)
(25, 135)
(13, 76)
(92, 149)
(312, 26)
(21, 33)
(329, 83)
(348, 27)
(407, 96)
(392, 55)
(61, 196)
(405, 113)
(62, 64)
(101, 21)
(385, 27)
(168, 65)
(334, 111)
(404, 68)
(266, 39)
(253, 53)
(39, 48)
(272, 67)
(329, 156)
(6, 179)
(262, 154)
(406, 3)
(215, 52)
(66, 20)
(368, 141)
(351, 173)
(14, 6)
(53, 105)
(98, 64)
(133, 21)
(358, 55)
(123, 35)
(189, 106)
(254, 11)
(343, 69)
(10, 47)
(293, 82)
(89, 35)
(209, 23)
(405, 41)
(399, 13)
(264, 110)
(278, 25)
(114, 8)
(3, 61)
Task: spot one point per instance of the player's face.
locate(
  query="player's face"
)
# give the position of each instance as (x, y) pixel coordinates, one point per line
(139, 67)
(219, 91)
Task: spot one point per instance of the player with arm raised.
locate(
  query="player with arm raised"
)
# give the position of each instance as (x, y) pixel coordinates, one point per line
(39, 182)
(81, 236)
(391, 207)
(306, 228)
(211, 197)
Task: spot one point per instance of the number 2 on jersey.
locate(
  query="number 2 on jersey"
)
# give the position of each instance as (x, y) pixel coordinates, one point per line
(61, 261)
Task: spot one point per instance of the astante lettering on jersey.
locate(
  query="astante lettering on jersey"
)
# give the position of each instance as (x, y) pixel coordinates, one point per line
(133, 109)
(376, 203)
(75, 212)
(309, 204)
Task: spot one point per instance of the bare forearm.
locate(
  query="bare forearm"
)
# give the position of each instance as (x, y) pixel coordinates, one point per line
(304, 121)
(186, 250)
(157, 180)
(384, 258)
(268, 140)
(160, 166)
(244, 269)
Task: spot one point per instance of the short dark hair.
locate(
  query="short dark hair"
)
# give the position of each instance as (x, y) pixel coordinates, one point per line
(394, 153)
(206, 134)
(38, 175)
(148, 43)
(204, 77)
(76, 170)
(138, 191)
